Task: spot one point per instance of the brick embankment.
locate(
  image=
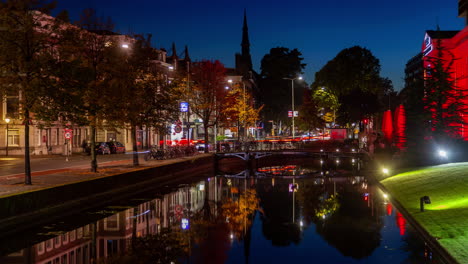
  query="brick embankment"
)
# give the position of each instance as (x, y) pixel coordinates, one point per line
(65, 192)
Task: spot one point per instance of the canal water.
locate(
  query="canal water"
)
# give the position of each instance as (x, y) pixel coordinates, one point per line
(281, 213)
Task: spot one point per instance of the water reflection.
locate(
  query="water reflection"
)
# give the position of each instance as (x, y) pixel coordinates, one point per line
(239, 219)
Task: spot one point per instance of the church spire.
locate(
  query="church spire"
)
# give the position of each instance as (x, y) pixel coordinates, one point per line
(187, 57)
(245, 53)
(245, 37)
(174, 53)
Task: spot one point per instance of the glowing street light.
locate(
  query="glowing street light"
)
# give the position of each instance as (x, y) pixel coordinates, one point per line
(125, 46)
(385, 171)
(7, 121)
(292, 100)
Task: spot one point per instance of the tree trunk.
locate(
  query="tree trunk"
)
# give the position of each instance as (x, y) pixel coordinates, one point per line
(27, 158)
(93, 150)
(135, 147)
(207, 140)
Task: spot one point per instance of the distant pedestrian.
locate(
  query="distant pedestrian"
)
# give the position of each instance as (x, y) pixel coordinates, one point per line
(84, 145)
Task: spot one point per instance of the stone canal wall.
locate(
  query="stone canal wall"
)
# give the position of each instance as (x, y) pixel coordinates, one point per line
(40, 206)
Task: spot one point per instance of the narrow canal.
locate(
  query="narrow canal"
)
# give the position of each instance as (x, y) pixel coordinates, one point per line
(298, 212)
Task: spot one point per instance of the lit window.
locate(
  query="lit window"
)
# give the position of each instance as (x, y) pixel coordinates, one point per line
(13, 137)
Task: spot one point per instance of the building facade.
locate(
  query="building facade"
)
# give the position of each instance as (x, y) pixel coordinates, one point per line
(53, 139)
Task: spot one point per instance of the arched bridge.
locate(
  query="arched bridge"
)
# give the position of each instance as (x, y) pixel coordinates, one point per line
(253, 155)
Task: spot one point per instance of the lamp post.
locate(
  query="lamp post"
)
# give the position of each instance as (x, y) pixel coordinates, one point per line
(7, 121)
(292, 101)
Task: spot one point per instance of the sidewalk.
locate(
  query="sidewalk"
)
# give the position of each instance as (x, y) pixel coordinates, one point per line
(14, 183)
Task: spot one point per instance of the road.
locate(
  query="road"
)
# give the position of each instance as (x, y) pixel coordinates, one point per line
(14, 165)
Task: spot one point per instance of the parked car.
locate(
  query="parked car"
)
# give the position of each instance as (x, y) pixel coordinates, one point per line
(116, 147)
(102, 148)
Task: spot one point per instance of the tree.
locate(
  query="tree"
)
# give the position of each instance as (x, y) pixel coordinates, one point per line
(278, 64)
(327, 103)
(82, 94)
(145, 97)
(353, 76)
(239, 108)
(208, 93)
(309, 117)
(443, 100)
(27, 39)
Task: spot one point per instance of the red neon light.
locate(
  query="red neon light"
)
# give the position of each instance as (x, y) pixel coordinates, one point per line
(389, 209)
(400, 125)
(401, 223)
(387, 125)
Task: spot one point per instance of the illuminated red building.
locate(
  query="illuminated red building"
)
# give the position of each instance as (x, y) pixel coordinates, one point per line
(452, 48)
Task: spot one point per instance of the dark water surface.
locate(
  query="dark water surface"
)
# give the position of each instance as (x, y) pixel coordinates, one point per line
(283, 214)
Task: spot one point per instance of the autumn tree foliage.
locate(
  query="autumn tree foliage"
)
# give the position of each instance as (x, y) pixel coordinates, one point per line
(239, 109)
(208, 93)
(239, 212)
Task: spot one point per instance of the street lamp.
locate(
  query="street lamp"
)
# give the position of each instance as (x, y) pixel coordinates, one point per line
(7, 120)
(292, 100)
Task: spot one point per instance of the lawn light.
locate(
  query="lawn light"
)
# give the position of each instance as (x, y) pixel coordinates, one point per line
(321, 150)
(424, 200)
(337, 161)
(442, 154)
(321, 161)
(352, 160)
(353, 150)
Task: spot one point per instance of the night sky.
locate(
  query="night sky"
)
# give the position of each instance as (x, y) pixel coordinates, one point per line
(392, 30)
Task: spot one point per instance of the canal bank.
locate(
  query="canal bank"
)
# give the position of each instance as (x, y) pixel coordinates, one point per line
(444, 221)
(58, 194)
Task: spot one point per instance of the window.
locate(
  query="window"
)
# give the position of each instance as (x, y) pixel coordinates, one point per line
(111, 222)
(77, 137)
(49, 244)
(13, 137)
(40, 248)
(57, 241)
(12, 106)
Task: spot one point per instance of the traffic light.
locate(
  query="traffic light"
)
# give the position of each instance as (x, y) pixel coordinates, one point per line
(366, 196)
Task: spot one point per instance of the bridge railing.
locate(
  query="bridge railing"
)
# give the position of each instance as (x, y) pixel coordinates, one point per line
(257, 146)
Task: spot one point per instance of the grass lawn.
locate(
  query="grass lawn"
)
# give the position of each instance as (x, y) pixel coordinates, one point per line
(446, 218)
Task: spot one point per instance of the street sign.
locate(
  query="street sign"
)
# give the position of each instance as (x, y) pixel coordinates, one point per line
(68, 133)
(290, 113)
(178, 129)
(183, 107)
